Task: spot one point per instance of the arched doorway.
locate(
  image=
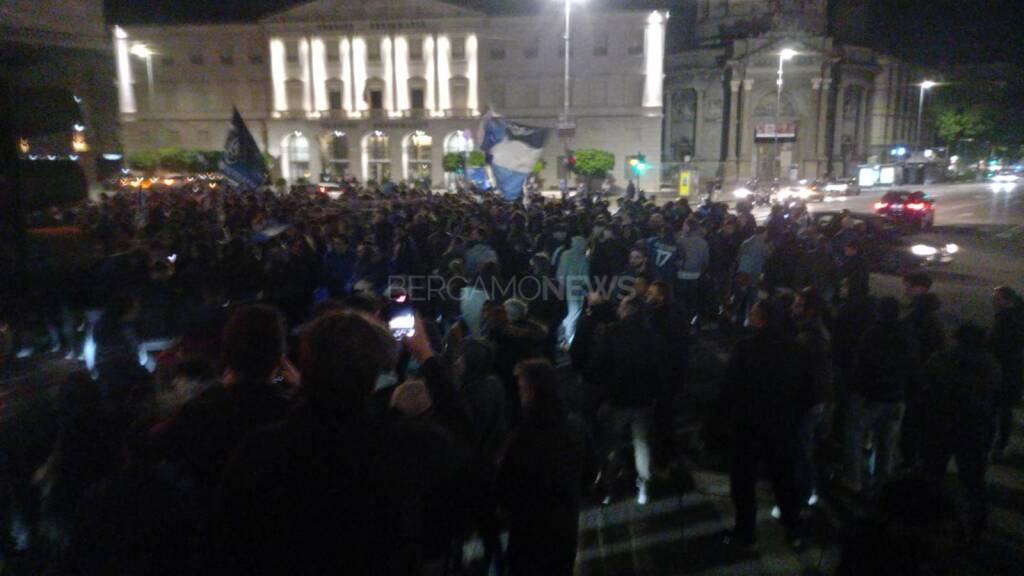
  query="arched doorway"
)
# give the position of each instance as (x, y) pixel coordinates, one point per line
(775, 137)
(458, 142)
(416, 150)
(336, 162)
(296, 157)
(378, 159)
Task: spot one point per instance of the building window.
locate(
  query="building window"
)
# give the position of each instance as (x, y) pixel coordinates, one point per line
(530, 50)
(378, 158)
(416, 97)
(458, 48)
(418, 151)
(297, 156)
(416, 49)
(635, 42)
(600, 43)
(373, 50)
(498, 50)
(167, 61)
(332, 51)
(196, 59)
(291, 51)
(337, 149)
(227, 58)
(294, 93)
(459, 90)
(255, 59)
(334, 98)
(376, 100)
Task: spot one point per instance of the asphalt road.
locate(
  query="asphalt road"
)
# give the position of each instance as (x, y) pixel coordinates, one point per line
(985, 221)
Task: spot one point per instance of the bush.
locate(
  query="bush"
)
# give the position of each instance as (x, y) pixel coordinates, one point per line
(476, 158)
(594, 163)
(452, 162)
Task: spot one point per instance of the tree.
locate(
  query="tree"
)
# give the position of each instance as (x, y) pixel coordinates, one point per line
(971, 121)
(594, 163)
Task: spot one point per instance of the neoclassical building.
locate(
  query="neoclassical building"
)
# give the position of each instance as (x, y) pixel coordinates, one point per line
(384, 88)
(841, 104)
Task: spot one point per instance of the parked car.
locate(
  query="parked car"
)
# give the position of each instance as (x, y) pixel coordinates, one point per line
(905, 207)
(330, 189)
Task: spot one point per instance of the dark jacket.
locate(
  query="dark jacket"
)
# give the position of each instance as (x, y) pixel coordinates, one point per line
(540, 482)
(202, 436)
(959, 386)
(328, 492)
(767, 389)
(672, 338)
(1007, 344)
(626, 362)
(855, 271)
(816, 344)
(925, 330)
(884, 363)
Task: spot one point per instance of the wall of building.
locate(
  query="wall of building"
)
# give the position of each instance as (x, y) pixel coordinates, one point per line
(513, 65)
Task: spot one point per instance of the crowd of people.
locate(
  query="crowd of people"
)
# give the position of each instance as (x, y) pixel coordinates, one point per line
(281, 427)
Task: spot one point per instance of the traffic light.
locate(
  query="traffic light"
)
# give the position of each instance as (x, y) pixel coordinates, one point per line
(638, 164)
(570, 161)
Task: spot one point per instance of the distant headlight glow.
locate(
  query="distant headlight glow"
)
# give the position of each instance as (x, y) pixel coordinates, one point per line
(923, 250)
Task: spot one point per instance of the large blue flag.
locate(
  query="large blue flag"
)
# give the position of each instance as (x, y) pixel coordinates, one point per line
(242, 162)
(513, 149)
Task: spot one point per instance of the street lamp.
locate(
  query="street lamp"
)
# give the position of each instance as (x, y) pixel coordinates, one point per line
(565, 103)
(143, 51)
(920, 108)
(785, 55)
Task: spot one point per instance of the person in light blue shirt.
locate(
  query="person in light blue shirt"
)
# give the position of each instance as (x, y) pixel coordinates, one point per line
(573, 272)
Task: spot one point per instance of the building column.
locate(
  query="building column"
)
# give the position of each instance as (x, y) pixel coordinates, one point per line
(730, 131)
(864, 124)
(698, 122)
(666, 127)
(745, 140)
(838, 162)
(821, 86)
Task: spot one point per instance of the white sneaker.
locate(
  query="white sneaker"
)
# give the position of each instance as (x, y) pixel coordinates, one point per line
(777, 513)
(641, 492)
(813, 500)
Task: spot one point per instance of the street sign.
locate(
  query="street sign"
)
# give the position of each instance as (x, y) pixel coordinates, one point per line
(684, 183)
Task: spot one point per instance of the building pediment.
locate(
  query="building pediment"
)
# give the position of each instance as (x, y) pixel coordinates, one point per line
(370, 10)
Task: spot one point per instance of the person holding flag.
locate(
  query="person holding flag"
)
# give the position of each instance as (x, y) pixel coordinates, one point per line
(512, 150)
(242, 162)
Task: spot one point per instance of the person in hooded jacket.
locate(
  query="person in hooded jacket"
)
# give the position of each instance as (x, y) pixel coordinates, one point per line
(573, 272)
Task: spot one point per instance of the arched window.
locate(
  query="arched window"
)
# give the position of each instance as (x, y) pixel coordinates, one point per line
(417, 150)
(296, 157)
(459, 141)
(337, 164)
(378, 157)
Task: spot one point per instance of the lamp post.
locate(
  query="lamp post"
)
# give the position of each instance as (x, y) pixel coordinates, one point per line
(143, 51)
(784, 55)
(920, 108)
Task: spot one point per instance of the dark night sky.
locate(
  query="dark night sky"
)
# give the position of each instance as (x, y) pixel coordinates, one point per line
(926, 31)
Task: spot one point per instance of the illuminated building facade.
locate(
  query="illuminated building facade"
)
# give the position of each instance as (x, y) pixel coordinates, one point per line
(383, 89)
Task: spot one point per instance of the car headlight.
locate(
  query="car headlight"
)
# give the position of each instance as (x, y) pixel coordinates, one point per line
(741, 192)
(952, 248)
(923, 250)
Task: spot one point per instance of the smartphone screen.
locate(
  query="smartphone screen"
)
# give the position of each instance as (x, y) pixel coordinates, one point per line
(402, 322)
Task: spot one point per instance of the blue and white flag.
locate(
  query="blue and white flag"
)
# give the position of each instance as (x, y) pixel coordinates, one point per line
(242, 162)
(512, 150)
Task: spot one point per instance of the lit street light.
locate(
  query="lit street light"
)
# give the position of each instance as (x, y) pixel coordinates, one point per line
(785, 55)
(920, 108)
(568, 14)
(143, 51)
